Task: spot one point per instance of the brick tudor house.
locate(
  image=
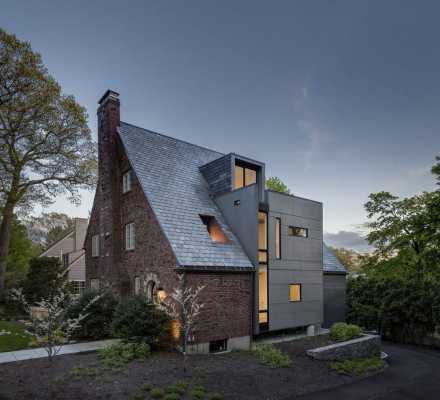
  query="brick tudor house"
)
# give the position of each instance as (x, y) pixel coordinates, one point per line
(164, 206)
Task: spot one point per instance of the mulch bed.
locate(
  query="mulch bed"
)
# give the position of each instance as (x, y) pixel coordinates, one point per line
(237, 375)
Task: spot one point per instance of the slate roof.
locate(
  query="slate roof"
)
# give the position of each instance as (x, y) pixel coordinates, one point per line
(168, 171)
(331, 263)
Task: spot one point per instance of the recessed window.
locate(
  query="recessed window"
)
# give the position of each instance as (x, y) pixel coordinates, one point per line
(214, 229)
(298, 231)
(126, 182)
(95, 245)
(277, 238)
(217, 346)
(137, 285)
(244, 176)
(94, 284)
(262, 237)
(65, 260)
(152, 292)
(129, 236)
(295, 292)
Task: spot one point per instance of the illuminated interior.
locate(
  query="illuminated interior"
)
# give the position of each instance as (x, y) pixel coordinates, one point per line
(244, 176)
(295, 292)
(278, 238)
(262, 271)
(214, 229)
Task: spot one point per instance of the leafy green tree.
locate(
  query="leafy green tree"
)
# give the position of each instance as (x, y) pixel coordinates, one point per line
(349, 258)
(277, 185)
(45, 144)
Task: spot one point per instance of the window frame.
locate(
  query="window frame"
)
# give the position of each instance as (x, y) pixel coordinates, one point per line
(129, 236)
(94, 281)
(137, 285)
(96, 245)
(127, 181)
(65, 260)
(244, 167)
(78, 287)
(278, 246)
(291, 228)
(300, 292)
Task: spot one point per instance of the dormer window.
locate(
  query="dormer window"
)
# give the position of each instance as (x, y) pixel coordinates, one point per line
(244, 176)
(126, 182)
(214, 229)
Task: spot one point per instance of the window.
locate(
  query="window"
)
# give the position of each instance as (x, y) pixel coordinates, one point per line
(152, 292)
(262, 294)
(217, 346)
(262, 237)
(126, 182)
(137, 285)
(129, 236)
(244, 176)
(297, 231)
(295, 292)
(95, 246)
(94, 284)
(78, 287)
(214, 229)
(263, 318)
(277, 238)
(65, 260)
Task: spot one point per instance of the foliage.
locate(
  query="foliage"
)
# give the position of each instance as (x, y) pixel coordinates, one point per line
(97, 323)
(340, 331)
(277, 185)
(46, 148)
(215, 396)
(349, 258)
(358, 366)
(44, 278)
(157, 393)
(135, 319)
(271, 356)
(48, 227)
(13, 336)
(172, 396)
(120, 354)
(178, 387)
(79, 372)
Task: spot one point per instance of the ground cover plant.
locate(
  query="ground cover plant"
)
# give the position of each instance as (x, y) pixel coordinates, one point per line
(119, 354)
(13, 336)
(358, 366)
(271, 356)
(340, 331)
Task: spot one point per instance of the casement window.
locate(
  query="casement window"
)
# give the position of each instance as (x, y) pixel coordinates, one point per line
(78, 287)
(295, 292)
(244, 176)
(214, 229)
(65, 260)
(137, 285)
(278, 238)
(126, 182)
(129, 236)
(298, 231)
(94, 284)
(95, 246)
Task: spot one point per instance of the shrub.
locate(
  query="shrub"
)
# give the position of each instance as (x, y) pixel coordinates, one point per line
(341, 331)
(358, 366)
(271, 356)
(98, 322)
(215, 396)
(146, 387)
(179, 388)
(117, 355)
(156, 393)
(172, 396)
(137, 320)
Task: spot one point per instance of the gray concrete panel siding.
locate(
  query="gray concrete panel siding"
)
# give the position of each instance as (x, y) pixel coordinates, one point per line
(334, 298)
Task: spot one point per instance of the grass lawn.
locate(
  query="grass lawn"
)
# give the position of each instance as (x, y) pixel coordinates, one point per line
(13, 336)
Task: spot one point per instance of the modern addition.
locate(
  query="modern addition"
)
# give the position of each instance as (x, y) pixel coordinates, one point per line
(164, 206)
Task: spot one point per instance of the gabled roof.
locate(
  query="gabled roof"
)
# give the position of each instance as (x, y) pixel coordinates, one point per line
(330, 261)
(168, 171)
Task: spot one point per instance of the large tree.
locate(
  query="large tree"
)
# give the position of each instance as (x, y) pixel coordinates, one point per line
(277, 185)
(45, 144)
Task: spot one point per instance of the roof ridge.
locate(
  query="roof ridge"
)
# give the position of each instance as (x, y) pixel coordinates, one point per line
(170, 137)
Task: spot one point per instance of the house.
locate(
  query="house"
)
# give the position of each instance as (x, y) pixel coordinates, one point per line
(70, 250)
(335, 283)
(164, 206)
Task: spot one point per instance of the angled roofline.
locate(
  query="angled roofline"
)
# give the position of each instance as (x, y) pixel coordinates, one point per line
(57, 242)
(293, 195)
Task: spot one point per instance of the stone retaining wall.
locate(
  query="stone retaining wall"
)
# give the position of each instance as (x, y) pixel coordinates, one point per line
(364, 346)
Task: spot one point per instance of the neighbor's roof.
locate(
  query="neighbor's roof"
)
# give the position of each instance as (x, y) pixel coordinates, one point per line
(330, 261)
(168, 171)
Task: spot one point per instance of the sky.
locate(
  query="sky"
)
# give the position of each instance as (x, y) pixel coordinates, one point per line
(340, 99)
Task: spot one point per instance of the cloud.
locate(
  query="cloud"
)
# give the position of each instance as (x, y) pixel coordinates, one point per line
(349, 240)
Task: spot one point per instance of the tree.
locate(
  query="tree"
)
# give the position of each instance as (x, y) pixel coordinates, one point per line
(45, 144)
(349, 258)
(277, 185)
(48, 227)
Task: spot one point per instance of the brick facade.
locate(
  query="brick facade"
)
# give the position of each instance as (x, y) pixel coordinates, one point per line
(227, 296)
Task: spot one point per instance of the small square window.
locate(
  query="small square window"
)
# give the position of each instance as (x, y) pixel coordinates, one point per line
(298, 231)
(94, 284)
(126, 182)
(129, 236)
(295, 292)
(95, 245)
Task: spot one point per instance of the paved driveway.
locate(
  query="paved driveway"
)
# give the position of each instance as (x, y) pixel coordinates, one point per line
(414, 373)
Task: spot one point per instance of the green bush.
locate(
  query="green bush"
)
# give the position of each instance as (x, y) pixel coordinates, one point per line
(97, 324)
(117, 355)
(341, 331)
(215, 396)
(172, 396)
(358, 366)
(137, 320)
(157, 393)
(271, 356)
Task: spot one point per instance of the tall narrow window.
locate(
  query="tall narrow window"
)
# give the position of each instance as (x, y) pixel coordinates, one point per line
(277, 238)
(244, 176)
(214, 229)
(94, 284)
(95, 245)
(129, 236)
(126, 182)
(263, 317)
(239, 177)
(65, 260)
(262, 295)
(295, 292)
(137, 285)
(262, 237)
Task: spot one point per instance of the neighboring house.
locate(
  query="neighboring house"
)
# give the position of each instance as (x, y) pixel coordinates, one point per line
(70, 250)
(164, 206)
(335, 284)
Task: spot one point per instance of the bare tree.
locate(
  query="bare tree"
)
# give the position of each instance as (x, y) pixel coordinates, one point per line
(186, 306)
(45, 144)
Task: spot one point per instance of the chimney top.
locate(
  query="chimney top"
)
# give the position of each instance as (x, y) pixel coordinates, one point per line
(109, 94)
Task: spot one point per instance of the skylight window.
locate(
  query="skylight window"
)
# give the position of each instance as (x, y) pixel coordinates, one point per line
(214, 229)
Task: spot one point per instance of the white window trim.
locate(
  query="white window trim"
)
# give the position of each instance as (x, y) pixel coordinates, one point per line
(126, 182)
(130, 236)
(95, 246)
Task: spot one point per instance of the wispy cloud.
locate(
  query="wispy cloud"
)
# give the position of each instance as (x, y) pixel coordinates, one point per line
(353, 240)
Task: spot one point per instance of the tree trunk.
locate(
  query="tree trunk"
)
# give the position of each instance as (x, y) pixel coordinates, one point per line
(5, 237)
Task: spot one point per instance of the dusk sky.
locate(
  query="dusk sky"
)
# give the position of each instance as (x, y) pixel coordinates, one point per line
(338, 98)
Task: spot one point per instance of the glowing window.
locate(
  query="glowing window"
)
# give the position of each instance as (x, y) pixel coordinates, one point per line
(214, 229)
(298, 231)
(244, 176)
(277, 238)
(295, 292)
